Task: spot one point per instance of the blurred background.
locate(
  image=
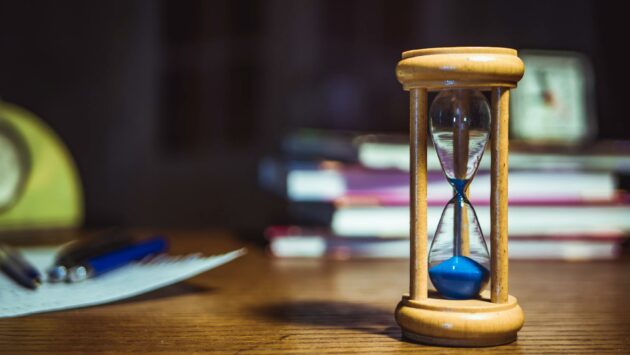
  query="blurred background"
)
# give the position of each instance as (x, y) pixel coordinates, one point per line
(169, 107)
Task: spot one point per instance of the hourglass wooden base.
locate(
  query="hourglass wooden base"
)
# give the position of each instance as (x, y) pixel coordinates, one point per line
(466, 323)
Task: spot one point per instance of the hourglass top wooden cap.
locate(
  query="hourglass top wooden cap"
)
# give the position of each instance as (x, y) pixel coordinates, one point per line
(459, 67)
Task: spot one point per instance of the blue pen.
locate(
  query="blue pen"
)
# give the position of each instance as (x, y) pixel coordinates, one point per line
(29, 270)
(103, 263)
(17, 268)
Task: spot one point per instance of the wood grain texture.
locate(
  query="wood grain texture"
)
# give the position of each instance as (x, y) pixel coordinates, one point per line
(463, 67)
(499, 195)
(418, 275)
(462, 323)
(258, 305)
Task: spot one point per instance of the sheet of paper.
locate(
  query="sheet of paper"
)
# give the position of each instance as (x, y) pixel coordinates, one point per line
(128, 281)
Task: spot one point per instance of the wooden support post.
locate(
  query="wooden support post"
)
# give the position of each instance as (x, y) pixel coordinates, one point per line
(418, 202)
(499, 196)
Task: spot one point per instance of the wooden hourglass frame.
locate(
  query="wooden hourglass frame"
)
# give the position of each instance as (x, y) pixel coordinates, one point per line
(494, 317)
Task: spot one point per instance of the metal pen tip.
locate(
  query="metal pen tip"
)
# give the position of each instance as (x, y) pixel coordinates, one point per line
(57, 273)
(77, 274)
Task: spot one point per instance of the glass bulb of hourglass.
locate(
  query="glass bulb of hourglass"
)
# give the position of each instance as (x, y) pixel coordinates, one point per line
(460, 126)
(458, 257)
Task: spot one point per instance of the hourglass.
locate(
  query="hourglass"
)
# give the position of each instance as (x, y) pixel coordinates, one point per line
(460, 312)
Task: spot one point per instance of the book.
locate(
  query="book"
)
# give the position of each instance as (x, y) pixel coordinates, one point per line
(386, 154)
(298, 242)
(317, 144)
(566, 202)
(331, 181)
(391, 151)
(393, 221)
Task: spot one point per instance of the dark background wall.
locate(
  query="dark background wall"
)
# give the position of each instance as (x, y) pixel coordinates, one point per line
(168, 105)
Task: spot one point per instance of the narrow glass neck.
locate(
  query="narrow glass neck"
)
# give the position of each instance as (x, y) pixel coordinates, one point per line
(459, 187)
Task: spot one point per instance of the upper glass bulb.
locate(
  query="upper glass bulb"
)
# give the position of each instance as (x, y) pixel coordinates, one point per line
(460, 122)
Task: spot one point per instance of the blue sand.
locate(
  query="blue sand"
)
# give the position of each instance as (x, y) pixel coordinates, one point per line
(459, 277)
(459, 185)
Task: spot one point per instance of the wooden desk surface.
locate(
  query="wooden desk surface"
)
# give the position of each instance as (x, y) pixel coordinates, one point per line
(258, 305)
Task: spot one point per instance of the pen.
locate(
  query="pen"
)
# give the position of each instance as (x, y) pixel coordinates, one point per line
(101, 264)
(17, 268)
(81, 250)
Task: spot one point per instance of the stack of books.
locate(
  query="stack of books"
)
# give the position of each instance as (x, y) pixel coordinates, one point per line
(348, 196)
